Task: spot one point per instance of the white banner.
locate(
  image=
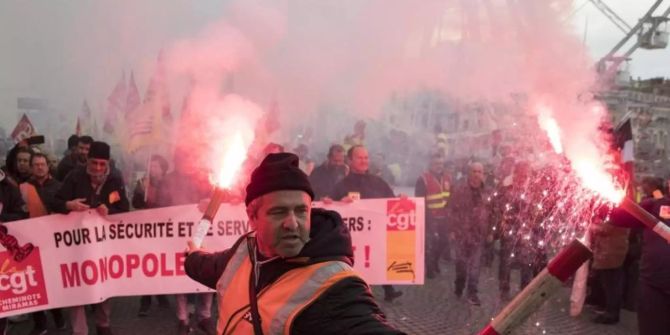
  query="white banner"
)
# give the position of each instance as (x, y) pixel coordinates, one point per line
(82, 258)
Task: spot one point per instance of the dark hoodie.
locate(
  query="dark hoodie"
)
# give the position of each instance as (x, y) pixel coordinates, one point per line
(346, 308)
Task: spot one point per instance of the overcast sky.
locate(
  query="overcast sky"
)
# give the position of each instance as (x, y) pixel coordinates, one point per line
(602, 35)
(68, 50)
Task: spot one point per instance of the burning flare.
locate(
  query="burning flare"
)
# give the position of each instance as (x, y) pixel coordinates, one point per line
(590, 170)
(598, 181)
(550, 126)
(233, 158)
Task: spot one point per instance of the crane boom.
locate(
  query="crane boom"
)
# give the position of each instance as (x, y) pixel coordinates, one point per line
(612, 16)
(633, 31)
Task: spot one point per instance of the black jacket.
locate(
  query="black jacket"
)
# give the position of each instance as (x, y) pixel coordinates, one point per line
(368, 185)
(346, 308)
(655, 260)
(12, 202)
(324, 178)
(138, 201)
(469, 211)
(77, 184)
(47, 191)
(65, 166)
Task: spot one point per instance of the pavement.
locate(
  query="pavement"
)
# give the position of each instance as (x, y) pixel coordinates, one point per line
(428, 309)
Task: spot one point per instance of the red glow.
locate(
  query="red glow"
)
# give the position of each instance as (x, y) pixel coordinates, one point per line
(550, 126)
(598, 181)
(234, 155)
(590, 168)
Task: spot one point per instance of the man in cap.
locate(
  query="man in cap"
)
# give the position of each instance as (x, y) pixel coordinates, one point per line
(95, 187)
(298, 257)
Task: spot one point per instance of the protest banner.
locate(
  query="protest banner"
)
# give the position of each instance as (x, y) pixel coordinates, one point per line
(83, 258)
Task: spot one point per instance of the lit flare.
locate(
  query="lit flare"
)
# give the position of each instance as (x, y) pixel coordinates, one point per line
(233, 158)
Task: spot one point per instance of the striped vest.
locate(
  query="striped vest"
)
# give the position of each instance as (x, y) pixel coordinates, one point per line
(437, 194)
(278, 303)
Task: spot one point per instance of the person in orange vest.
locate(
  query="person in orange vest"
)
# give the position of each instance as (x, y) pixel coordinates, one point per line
(292, 274)
(435, 185)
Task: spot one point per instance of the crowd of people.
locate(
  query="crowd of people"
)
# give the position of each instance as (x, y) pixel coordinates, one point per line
(476, 212)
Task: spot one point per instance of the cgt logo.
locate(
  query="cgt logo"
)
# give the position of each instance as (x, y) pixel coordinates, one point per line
(18, 281)
(21, 284)
(401, 214)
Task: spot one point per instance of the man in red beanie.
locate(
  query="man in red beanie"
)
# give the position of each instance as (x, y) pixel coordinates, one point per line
(293, 273)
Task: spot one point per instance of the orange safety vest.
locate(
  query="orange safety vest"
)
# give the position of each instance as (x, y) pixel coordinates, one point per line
(33, 201)
(437, 194)
(280, 302)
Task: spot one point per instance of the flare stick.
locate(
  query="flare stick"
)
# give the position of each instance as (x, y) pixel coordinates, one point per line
(646, 218)
(545, 284)
(206, 221)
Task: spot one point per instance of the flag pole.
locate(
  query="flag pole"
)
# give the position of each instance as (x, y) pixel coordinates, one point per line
(148, 174)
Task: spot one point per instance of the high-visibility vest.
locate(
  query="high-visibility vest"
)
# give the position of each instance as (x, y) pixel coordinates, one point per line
(278, 303)
(437, 194)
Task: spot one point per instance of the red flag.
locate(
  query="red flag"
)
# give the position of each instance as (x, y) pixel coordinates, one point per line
(23, 129)
(133, 98)
(115, 105)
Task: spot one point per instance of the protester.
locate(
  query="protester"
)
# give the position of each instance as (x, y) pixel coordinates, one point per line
(435, 186)
(513, 212)
(12, 210)
(76, 158)
(469, 212)
(22, 171)
(10, 198)
(326, 175)
(290, 243)
(93, 188)
(187, 184)
(72, 142)
(145, 196)
(654, 283)
(610, 245)
(39, 194)
(359, 184)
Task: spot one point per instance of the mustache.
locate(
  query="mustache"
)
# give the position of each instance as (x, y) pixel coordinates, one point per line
(288, 235)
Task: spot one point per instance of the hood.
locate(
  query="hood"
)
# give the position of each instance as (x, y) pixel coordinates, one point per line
(329, 238)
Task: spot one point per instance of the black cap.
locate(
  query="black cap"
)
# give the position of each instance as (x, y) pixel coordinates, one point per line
(99, 150)
(277, 172)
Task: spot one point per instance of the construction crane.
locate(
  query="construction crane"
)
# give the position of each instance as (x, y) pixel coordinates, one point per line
(652, 33)
(610, 14)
